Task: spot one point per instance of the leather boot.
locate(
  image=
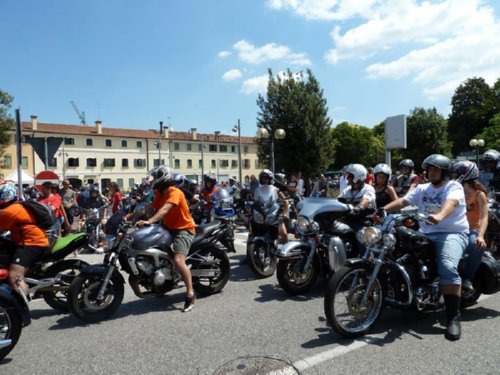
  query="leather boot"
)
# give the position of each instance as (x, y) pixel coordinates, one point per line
(453, 328)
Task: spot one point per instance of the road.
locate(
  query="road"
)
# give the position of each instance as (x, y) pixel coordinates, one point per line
(251, 324)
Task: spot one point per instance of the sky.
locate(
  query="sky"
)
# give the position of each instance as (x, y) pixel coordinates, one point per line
(202, 63)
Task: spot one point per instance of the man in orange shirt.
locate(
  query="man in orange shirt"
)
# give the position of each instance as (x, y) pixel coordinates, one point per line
(171, 207)
(29, 241)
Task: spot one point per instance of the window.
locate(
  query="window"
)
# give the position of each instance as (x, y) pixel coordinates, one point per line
(69, 141)
(177, 163)
(124, 164)
(139, 144)
(124, 143)
(91, 162)
(7, 161)
(89, 142)
(176, 146)
(189, 163)
(245, 149)
(224, 163)
(199, 147)
(246, 163)
(223, 148)
(233, 148)
(52, 162)
(212, 148)
(108, 143)
(213, 164)
(188, 146)
(131, 183)
(155, 162)
(234, 163)
(108, 162)
(119, 181)
(73, 162)
(139, 163)
(200, 164)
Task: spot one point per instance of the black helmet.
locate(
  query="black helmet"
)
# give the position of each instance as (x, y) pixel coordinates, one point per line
(268, 173)
(407, 163)
(440, 161)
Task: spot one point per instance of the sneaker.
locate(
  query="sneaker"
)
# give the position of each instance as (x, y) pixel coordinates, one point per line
(467, 285)
(189, 303)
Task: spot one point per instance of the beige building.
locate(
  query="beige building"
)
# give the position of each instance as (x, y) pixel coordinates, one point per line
(90, 154)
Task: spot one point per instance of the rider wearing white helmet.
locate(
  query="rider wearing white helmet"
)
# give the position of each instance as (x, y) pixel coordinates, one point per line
(384, 192)
(358, 192)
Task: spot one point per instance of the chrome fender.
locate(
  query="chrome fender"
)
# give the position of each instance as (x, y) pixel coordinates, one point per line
(336, 254)
(293, 250)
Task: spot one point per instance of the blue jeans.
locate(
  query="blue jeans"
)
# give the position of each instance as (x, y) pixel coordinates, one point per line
(449, 250)
(474, 257)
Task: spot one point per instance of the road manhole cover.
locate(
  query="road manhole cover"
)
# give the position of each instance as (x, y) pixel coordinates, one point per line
(256, 366)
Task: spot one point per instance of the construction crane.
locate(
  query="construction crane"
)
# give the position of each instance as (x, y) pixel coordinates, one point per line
(81, 115)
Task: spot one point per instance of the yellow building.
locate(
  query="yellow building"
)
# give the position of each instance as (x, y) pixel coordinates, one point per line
(90, 154)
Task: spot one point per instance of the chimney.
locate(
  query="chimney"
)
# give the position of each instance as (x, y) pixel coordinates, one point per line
(217, 135)
(193, 134)
(34, 122)
(166, 132)
(98, 125)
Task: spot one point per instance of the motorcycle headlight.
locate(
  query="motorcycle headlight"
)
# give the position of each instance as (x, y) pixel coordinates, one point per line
(389, 240)
(302, 224)
(372, 235)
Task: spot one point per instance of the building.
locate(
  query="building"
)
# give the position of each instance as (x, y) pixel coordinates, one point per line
(97, 154)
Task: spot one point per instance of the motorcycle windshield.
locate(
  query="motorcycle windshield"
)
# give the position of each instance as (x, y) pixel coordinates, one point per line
(310, 207)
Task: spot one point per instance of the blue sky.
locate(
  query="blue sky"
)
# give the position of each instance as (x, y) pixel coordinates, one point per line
(201, 63)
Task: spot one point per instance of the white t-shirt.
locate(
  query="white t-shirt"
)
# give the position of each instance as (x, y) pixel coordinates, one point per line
(430, 201)
(354, 197)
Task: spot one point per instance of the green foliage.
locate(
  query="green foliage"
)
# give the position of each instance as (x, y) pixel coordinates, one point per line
(295, 103)
(473, 105)
(491, 134)
(6, 122)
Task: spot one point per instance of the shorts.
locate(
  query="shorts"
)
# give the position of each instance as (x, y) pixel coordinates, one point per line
(27, 256)
(182, 240)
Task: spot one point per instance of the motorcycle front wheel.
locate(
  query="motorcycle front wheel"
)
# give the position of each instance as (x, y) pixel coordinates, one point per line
(82, 298)
(216, 265)
(344, 309)
(261, 261)
(10, 328)
(292, 279)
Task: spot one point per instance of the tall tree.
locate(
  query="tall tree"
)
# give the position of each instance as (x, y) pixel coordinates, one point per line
(295, 103)
(473, 105)
(491, 134)
(6, 122)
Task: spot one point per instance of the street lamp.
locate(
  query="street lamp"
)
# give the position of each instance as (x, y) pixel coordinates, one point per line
(476, 143)
(158, 143)
(278, 134)
(237, 128)
(63, 154)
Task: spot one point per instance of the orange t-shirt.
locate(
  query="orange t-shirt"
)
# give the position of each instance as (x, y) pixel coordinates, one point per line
(26, 234)
(473, 211)
(179, 217)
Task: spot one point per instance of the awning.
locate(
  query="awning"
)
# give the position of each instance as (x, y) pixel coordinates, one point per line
(26, 178)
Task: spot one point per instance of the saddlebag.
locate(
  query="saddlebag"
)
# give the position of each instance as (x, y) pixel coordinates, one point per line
(488, 275)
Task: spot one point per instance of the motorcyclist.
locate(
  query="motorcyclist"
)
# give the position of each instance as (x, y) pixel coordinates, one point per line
(384, 192)
(29, 241)
(443, 201)
(490, 177)
(406, 181)
(476, 196)
(266, 193)
(232, 188)
(209, 187)
(172, 209)
(192, 200)
(358, 192)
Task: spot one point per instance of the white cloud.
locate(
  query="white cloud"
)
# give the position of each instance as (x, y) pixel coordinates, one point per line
(224, 54)
(255, 85)
(251, 54)
(231, 75)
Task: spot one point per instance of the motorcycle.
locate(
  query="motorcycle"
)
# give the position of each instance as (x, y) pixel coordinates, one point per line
(94, 227)
(14, 315)
(50, 282)
(145, 254)
(262, 243)
(492, 235)
(327, 239)
(223, 211)
(398, 269)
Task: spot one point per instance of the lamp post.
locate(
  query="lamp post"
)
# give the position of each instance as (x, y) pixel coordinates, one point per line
(278, 134)
(202, 160)
(476, 143)
(63, 154)
(237, 128)
(158, 143)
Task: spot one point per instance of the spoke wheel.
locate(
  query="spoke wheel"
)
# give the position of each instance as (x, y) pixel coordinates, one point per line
(10, 327)
(212, 260)
(292, 279)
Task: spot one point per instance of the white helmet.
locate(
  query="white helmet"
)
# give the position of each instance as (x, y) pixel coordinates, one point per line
(358, 171)
(161, 175)
(383, 168)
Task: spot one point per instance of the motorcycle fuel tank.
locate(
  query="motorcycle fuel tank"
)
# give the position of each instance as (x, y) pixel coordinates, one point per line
(151, 236)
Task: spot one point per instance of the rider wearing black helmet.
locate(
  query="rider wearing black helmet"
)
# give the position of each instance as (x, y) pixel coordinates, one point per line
(491, 174)
(443, 202)
(406, 181)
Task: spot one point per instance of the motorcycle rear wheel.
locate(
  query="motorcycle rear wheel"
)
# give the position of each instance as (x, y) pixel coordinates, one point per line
(343, 308)
(217, 260)
(292, 280)
(82, 298)
(10, 327)
(262, 264)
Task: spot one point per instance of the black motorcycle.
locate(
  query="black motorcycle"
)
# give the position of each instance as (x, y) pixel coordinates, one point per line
(146, 255)
(398, 269)
(492, 235)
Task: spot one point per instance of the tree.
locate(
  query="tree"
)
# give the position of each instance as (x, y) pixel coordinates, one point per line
(473, 105)
(296, 104)
(6, 122)
(491, 134)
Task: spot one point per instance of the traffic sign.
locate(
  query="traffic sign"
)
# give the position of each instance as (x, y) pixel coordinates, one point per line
(45, 176)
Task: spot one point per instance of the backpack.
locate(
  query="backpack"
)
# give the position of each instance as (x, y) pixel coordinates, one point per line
(44, 215)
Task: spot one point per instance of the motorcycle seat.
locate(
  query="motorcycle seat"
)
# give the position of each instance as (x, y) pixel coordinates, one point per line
(203, 229)
(63, 242)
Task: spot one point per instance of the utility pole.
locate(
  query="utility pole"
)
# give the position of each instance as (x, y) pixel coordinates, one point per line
(159, 143)
(237, 128)
(202, 159)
